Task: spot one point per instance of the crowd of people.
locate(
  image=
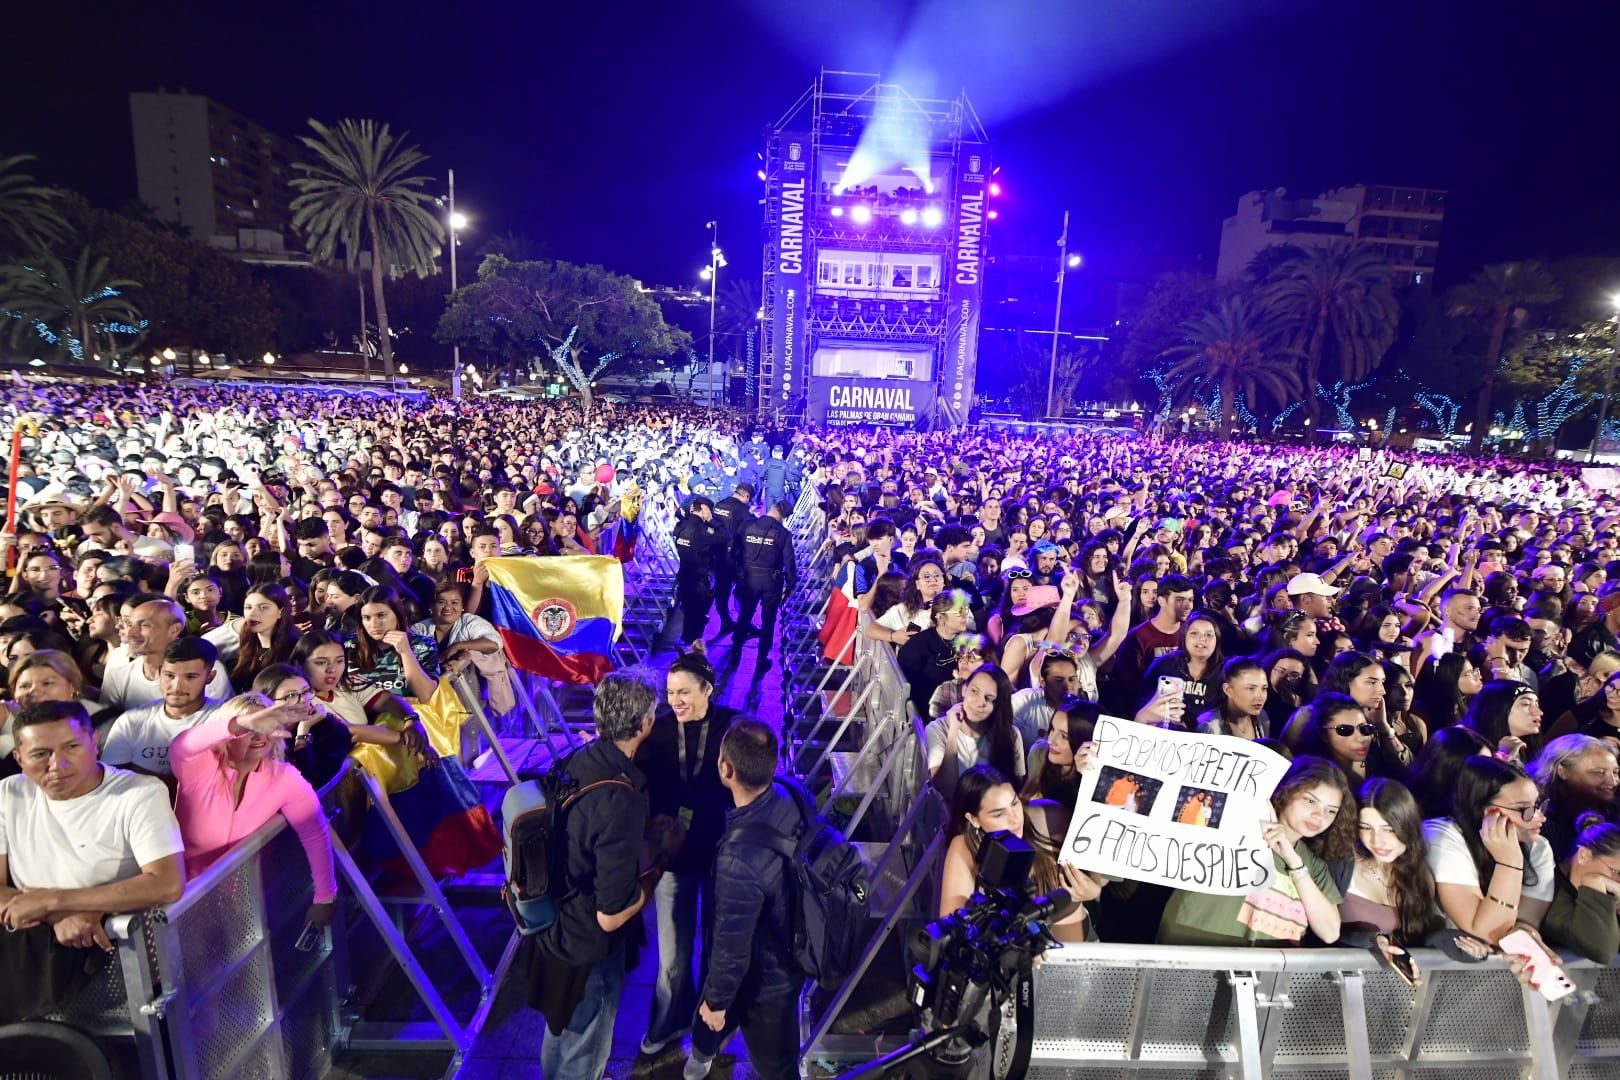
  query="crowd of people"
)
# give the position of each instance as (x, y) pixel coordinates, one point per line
(219, 596)
(1430, 641)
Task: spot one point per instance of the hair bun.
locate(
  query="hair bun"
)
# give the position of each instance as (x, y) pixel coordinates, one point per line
(1588, 820)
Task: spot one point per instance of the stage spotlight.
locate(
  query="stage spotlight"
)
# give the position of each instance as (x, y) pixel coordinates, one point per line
(861, 214)
(908, 217)
(760, 173)
(837, 211)
(932, 217)
(1074, 261)
(992, 214)
(995, 189)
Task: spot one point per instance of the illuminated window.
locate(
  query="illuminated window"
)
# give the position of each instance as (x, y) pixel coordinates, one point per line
(853, 274)
(902, 276)
(925, 276)
(827, 273)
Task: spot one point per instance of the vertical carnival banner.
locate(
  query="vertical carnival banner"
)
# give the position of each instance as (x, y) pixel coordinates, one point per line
(789, 194)
(965, 297)
(1175, 808)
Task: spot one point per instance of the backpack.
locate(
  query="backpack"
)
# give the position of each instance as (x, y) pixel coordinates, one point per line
(827, 891)
(532, 843)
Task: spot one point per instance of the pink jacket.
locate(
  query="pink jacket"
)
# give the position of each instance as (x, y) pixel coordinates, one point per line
(210, 824)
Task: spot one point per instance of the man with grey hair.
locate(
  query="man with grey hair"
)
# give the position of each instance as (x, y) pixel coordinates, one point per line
(151, 625)
(576, 966)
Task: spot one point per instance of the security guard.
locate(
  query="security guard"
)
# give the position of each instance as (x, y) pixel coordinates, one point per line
(768, 571)
(730, 515)
(695, 542)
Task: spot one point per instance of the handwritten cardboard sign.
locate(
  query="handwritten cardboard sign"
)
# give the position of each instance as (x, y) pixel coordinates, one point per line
(1175, 808)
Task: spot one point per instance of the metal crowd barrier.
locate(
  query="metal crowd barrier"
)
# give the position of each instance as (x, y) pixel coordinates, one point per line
(1127, 1011)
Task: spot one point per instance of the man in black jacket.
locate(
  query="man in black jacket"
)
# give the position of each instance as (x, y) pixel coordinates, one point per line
(730, 515)
(577, 965)
(696, 540)
(752, 983)
(768, 572)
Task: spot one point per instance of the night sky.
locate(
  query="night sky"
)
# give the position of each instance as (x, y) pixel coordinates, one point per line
(610, 132)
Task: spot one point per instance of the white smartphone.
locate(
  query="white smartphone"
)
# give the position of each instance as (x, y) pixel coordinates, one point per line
(184, 552)
(1547, 975)
(1172, 685)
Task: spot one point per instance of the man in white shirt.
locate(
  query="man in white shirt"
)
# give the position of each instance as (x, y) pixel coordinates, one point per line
(131, 677)
(140, 738)
(1032, 709)
(78, 840)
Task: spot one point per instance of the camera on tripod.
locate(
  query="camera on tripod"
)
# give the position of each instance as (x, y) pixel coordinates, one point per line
(971, 985)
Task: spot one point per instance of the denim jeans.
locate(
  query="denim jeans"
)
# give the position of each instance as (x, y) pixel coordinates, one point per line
(675, 992)
(581, 1052)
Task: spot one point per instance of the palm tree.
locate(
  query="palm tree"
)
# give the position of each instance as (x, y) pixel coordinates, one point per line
(1497, 295)
(1337, 303)
(360, 194)
(1237, 347)
(66, 305)
(29, 218)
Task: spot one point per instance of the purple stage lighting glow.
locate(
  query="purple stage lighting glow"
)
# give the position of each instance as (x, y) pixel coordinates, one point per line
(992, 215)
(932, 217)
(761, 174)
(995, 188)
(861, 214)
(908, 217)
(837, 211)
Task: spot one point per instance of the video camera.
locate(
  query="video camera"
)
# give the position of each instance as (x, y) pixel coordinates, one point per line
(971, 984)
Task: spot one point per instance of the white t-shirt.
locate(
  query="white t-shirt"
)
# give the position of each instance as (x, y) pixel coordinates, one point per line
(126, 686)
(141, 737)
(226, 638)
(103, 836)
(969, 752)
(1451, 864)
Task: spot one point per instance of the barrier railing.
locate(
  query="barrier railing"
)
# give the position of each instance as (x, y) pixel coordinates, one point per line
(1140, 1010)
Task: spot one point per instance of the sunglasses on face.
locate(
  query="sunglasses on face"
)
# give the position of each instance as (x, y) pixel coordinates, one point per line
(1344, 731)
(1019, 573)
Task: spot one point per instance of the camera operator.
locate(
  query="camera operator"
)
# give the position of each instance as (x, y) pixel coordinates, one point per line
(577, 965)
(752, 982)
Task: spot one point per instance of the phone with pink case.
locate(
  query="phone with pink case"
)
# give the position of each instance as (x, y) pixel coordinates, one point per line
(1544, 971)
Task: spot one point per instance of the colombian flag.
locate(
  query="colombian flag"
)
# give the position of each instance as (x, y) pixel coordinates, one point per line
(558, 615)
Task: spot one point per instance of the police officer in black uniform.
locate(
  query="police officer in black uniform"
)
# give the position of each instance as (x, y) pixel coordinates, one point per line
(767, 572)
(696, 543)
(730, 515)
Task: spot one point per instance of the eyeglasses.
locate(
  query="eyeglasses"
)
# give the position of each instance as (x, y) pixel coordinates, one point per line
(1527, 812)
(294, 697)
(1344, 731)
(931, 577)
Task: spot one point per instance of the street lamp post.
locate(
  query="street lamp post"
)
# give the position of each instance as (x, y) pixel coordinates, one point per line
(1057, 314)
(1608, 383)
(453, 223)
(711, 273)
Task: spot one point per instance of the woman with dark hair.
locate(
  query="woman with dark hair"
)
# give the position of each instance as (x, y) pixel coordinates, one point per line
(929, 658)
(1388, 889)
(1508, 714)
(228, 562)
(1296, 630)
(1407, 725)
(321, 740)
(1443, 689)
(1336, 727)
(1433, 773)
(385, 657)
(1362, 678)
(1197, 663)
(979, 731)
(1492, 867)
(1016, 582)
(1314, 826)
(1096, 583)
(1290, 681)
(1577, 775)
(681, 761)
(342, 600)
(1582, 917)
(1054, 764)
(1379, 631)
(925, 579)
(986, 802)
(201, 597)
(267, 567)
(264, 635)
